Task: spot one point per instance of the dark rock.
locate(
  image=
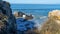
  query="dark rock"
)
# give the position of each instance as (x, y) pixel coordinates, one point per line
(28, 17)
(24, 25)
(0, 0)
(6, 10)
(20, 14)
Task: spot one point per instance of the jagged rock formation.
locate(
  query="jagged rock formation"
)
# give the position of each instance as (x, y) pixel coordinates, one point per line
(6, 10)
(29, 17)
(21, 14)
(52, 25)
(18, 14)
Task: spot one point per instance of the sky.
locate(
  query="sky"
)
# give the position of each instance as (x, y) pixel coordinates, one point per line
(33, 1)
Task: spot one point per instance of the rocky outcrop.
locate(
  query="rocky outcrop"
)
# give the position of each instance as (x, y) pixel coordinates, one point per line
(29, 17)
(18, 14)
(52, 25)
(23, 15)
(6, 10)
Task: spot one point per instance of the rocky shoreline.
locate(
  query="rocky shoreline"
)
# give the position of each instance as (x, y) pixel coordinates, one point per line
(18, 23)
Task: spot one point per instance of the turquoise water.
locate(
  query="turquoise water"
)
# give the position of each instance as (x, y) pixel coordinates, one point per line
(38, 10)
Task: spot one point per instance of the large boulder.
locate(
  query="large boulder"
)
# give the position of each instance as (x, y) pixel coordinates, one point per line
(25, 26)
(52, 25)
(6, 10)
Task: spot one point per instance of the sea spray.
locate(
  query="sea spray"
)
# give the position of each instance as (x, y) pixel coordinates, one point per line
(38, 24)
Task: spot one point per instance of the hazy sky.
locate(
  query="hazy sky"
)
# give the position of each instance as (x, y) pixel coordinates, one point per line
(34, 1)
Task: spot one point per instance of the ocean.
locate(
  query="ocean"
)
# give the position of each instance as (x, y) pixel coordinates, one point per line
(39, 11)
